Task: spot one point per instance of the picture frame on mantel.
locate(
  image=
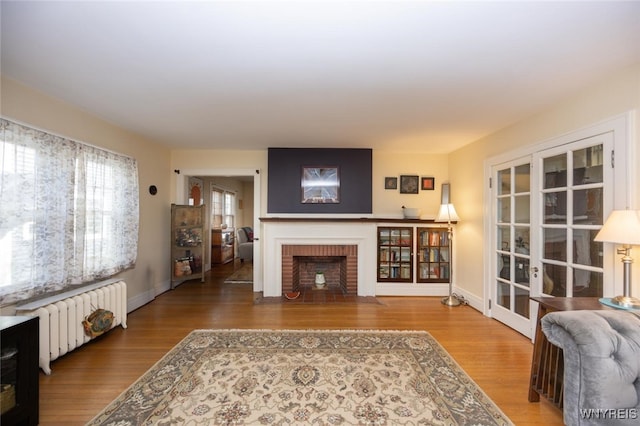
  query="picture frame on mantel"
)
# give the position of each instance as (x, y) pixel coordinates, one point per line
(409, 184)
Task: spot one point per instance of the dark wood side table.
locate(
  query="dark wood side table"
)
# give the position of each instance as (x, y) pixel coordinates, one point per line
(547, 366)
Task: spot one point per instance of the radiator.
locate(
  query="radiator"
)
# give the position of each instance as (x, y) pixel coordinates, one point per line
(61, 317)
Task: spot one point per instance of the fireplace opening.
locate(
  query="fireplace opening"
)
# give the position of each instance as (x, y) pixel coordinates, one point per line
(339, 263)
(306, 267)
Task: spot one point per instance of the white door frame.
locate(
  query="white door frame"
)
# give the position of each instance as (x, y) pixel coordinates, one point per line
(623, 127)
(182, 183)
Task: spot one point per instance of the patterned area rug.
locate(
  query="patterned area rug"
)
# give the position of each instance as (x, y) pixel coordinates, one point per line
(263, 377)
(242, 275)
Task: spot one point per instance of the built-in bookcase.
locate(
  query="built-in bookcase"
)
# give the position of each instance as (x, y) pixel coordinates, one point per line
(405, 253)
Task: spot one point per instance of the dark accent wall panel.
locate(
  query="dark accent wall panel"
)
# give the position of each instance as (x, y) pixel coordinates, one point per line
(285, 174)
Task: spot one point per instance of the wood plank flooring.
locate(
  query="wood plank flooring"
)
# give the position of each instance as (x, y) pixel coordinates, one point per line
(87, 379)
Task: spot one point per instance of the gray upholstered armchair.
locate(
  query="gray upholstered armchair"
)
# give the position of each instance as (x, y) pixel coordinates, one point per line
(245, 243)
(601, 365)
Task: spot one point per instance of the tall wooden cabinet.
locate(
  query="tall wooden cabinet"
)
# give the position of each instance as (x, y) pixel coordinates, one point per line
(187, 245)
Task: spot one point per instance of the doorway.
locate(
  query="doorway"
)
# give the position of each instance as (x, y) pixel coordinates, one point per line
(182, 193)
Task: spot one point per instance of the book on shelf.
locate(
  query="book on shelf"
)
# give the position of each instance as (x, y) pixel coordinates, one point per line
(434, 255)
(424, 271)
(405, 272)
(434, 272)
(444, 255)
(384, 254)
(444, 271)
(395, 272)
(405, 254)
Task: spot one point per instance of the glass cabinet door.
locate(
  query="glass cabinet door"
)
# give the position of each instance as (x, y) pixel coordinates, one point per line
(434, 255)
(395, 254)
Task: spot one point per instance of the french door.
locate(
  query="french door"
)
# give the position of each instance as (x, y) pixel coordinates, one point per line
(512, 278)
(547, 208)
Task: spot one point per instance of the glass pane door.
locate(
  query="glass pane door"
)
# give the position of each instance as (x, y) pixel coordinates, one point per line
(572, 211)
(512, 205)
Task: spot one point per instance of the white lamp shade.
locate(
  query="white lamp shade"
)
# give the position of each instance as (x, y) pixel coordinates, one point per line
(447, 213)
(621, 227)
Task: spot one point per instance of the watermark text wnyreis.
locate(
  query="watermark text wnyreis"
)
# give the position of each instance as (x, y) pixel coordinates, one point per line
(609, 413)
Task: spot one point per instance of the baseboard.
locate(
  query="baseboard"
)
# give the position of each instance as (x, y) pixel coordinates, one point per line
(147, 296)
(472, 300)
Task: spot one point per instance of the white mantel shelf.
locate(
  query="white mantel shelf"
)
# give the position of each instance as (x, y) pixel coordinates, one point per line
(346, 219)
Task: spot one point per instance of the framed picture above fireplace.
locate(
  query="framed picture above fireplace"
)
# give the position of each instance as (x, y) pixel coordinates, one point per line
(320, 185)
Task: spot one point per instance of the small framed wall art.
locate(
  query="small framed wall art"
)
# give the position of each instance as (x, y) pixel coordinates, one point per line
(391, 183)
(428, 183)
(408, 184)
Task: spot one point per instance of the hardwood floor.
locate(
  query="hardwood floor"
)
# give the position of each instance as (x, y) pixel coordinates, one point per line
(87, 379)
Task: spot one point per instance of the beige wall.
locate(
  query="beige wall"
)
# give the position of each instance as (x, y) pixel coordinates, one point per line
(386, 203)
(464, 168)
(151, 272)
(613, 96)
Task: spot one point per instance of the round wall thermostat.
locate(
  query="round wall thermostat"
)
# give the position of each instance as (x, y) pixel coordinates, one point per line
(153, 190)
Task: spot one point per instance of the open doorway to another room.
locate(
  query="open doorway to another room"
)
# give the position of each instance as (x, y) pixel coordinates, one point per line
(231, 213)
(229, 222)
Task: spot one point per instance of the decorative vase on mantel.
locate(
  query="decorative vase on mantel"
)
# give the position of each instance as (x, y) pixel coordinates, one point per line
(320, 280)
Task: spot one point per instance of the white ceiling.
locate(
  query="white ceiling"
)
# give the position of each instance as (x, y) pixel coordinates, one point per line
(420, 76)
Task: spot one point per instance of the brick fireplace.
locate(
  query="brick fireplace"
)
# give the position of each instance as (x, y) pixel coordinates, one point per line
(351, 241)
(338, 262)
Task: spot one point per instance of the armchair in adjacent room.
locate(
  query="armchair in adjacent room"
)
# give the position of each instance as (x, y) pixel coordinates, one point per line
(245, 243)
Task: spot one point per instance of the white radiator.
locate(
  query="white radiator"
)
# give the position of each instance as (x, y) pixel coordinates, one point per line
(61, 317)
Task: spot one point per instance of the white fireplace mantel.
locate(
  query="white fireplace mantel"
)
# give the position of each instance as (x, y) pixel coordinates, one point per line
(277, 234)
(281, 231)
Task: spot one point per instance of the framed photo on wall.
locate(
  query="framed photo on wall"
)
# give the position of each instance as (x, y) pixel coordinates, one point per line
(428, 183)
(320, 185)
(391, 183)
(408, 184)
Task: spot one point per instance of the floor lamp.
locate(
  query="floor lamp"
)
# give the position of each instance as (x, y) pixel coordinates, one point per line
(447, 213)
(623, 227)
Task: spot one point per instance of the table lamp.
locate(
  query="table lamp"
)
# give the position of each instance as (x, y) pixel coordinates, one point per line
(623, 227)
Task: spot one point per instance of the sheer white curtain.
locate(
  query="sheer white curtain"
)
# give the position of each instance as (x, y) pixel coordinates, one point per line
(68, 213)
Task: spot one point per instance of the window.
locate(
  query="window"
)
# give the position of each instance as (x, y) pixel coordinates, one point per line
(223, 208)
(68, 213)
